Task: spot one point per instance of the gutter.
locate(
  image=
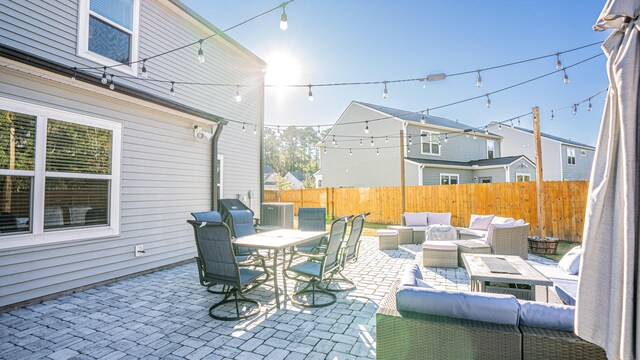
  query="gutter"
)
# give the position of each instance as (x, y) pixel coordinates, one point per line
(214, 167)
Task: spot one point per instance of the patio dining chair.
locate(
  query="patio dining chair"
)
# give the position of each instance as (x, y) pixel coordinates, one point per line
(318, 266)
(218, 265)
(349, 252)
(312, 219)
(246, 257)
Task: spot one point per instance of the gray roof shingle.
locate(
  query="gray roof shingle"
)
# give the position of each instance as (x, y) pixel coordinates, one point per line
(557, 138)
(482, 162)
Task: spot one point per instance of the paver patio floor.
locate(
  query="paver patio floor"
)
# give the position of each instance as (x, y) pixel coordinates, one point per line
(165, 315)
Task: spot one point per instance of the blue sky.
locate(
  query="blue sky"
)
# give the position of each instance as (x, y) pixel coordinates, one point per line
(372, 40)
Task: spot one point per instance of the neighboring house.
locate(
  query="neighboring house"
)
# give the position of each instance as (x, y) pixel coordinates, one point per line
(440, 151)
(92, 172)
(562, 159)
(271, 181)
(295, 180)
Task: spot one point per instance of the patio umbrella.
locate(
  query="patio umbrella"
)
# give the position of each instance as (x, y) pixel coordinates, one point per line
(608, 304)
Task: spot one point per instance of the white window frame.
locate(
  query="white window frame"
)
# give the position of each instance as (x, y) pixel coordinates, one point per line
(38, 236)
(571, 153)
(423, 141)
(83, 38)
(524, 175)
(494, 148)
(457, 176)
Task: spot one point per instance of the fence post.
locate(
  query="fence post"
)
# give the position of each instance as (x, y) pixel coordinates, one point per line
(301, 198)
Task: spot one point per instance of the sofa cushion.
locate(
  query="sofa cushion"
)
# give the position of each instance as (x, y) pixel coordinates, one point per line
(480, 222)
(423, 284)
(493, 308)
(439, 218)
(415, 219)
(502, 220)
(546, 316)
(567, 290)
(474, 233)
(440, 245)
(570, 262)
(410, 275)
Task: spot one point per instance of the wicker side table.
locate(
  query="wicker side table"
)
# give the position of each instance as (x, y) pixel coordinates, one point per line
(471, 247)
(388, 239)
(405, 234)
(440, 254)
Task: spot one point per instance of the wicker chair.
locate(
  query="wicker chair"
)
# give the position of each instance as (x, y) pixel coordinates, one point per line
(410, 335)
(217, 264)
(349, 252)
(317, 267)
(540, 344)
(510, 241)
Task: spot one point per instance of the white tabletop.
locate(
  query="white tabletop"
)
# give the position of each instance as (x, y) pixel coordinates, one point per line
(278, 239)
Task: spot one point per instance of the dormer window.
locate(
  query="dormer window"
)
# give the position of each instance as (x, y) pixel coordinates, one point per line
(108, 32)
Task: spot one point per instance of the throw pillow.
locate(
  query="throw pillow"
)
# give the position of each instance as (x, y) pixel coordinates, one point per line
(439, 218)
(502, 220)
(480, 222)
(415, 219)
(570, 262)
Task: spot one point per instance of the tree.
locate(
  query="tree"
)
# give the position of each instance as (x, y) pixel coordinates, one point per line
(308, 182)
(293, 149)
(282, 183)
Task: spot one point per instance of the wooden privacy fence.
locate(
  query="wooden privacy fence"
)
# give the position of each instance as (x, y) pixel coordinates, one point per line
(565, 203)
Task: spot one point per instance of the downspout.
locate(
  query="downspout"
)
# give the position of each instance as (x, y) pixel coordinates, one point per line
(507, 177)
(214, 165)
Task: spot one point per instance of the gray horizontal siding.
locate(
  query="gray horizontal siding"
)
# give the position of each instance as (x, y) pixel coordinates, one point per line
(431, 175)
(582, 168)
(165, 175)
(518, 167)
(457, 148)
(497, 175)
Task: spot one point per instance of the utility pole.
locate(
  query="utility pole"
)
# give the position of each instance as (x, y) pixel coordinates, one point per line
(402, 184)
(539, 179)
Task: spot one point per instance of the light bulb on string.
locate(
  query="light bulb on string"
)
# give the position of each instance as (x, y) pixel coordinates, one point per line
(575, 109)
(360, 141)
(565, 77)
(104, 76)
(386, 139)
(172, 91)
(112, 86)
(446, 138)
(284, 25)
(310, 94)
(243, 128)
(408, 149)
(377, 151)
(334, 140)
(479, 80)
(410, 142)
(144, 74)
(500, 126)
(467, 135)
(423, 120)
(474, 136)
(558, 62)
(350, 153)
(488, 101)
(325, 150)
(385, 93)
(255, 129)
(552, 115)
(238, 96)
(511, 122)
(518, 121)
(372, 141)
(200, 52)
(589, 107)
(366, 127)
(73, 76)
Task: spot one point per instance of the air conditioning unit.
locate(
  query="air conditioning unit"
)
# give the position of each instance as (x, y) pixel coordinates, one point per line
(277, 214)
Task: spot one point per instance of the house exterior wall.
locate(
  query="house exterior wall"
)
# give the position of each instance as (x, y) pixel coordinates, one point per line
(518, 168)
(411, 174)
(496, 174)
(457, 148)
(364, 168)
(431, 175)
(165, 171)
(516, 142)
(582, 168)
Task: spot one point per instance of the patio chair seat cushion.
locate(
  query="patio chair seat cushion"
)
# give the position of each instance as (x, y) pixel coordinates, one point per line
(570, 262)
(474, 232)
(480, 222)
(248, 275)
(547, 316)
(308, 268)
(566, 289)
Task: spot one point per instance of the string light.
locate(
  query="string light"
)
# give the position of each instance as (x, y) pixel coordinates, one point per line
(243, 129)
(334, 140)
(350, 153)
(172, 92)
(479, 80)
(446, 138)
(589, 107)
(200, 52)
(366, 127)
(575, 109)
(144, 74)
(255, 129)
(112, 86)
(558, 62)
(566, 77)
(372, 141)
(467, 135)
(552, 115)
(474, 136)
(238, 96)
(360, 141)
(500, 126)
(518, 120)
(104, 76)
(423, 119)
(310, 95)
(386, 139)
(488, 101)
(511, 122)
(283, 19)
(73, 77)
(325, 150)
(408, 150)
(377, 151)
(385, 93)
(410, 142)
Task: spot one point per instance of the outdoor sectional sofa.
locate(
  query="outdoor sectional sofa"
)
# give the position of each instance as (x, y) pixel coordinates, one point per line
(416, 321)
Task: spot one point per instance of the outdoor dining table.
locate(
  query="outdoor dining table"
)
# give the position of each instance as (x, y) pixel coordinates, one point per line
(278, 241)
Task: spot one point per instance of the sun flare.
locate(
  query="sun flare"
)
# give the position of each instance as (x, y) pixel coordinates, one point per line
(282, 69)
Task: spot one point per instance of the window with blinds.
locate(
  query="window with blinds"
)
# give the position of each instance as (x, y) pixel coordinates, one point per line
(58, 171)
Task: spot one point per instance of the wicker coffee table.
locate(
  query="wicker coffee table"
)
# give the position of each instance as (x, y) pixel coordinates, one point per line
(520, 285)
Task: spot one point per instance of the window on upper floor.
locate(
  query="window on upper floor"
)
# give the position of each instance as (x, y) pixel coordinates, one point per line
(491, 149)
(430, 142)
(108, 32)
(58, 171)
(571, 156)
